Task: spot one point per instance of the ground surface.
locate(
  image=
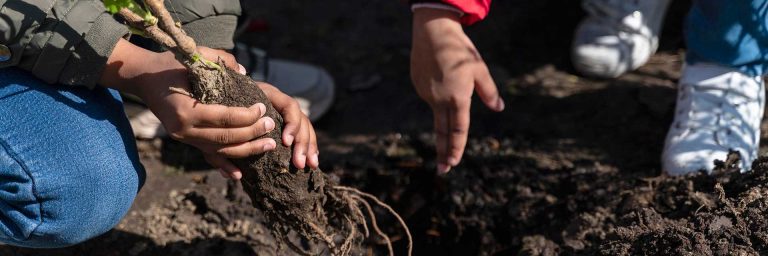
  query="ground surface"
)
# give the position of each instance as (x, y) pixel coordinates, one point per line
(571, 167)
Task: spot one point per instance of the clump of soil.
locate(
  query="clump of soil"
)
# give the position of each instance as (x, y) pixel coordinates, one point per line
(722, 214)
(206, 219)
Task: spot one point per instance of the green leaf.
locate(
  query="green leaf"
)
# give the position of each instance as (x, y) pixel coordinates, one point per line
(113, 6)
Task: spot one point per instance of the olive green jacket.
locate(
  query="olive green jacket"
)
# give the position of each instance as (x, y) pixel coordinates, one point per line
(69, 41)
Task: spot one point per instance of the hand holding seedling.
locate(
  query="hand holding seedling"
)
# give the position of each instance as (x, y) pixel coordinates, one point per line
(202, 100)
(219, 131)
(445, 69)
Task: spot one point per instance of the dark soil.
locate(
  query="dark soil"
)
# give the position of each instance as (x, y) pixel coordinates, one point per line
(571, 167)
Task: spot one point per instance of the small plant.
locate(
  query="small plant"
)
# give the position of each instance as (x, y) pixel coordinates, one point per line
(304, 201)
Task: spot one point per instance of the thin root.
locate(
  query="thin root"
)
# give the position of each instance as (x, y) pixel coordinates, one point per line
(326, 238)
(296, 248)
(346, 247)
(375, 224)
(385, 206)
(359, 214)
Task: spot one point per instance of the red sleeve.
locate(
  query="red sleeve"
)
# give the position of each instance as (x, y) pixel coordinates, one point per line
(474, 10)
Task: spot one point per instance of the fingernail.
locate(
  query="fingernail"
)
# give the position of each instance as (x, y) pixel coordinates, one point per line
(241, 69)
(453, 161)
(288, 140)
(262, 108)
(236, 175)
(269, 146)
(269, 124)
(500, 104)
(314, 159)
(443, 168)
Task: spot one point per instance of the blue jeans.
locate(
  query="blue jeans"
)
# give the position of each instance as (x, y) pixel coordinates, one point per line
(729, 33)
(69, 169)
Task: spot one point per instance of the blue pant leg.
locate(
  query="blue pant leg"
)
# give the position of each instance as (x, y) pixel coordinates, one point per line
(69, 169)
(729, 33)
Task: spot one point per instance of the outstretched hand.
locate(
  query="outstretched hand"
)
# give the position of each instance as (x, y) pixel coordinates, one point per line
(445, 69)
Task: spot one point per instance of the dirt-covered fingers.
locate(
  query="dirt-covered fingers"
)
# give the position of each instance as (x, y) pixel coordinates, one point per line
(305, 146)
(289, 108)
(298, 132)
(226, 167)
(313, 153)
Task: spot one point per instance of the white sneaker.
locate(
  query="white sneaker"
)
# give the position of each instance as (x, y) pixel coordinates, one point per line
(310, 85)
(146, 125)
(617, 36)
(718, 109)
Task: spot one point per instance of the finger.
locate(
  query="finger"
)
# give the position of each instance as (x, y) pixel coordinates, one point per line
(289, 109)
(225, 136)
(458, 121)
(313, 158)
(486, 90)
(293, 122)
(215, 55)
(223, 116)
(301, 145)
(226, 167)
(442, 138)
(247, 149)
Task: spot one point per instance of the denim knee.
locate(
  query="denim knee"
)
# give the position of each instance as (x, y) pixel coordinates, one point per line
(69, 168)
(45, 211)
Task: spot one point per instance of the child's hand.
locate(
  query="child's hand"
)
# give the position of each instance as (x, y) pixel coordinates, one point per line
(446, 69)
(220, 132)
(298, 130)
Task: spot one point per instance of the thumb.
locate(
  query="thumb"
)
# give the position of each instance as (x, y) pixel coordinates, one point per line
(486, 90)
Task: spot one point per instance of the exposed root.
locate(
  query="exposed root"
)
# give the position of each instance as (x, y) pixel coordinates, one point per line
(321, 234)
(375, 224)
(385, 206)
(296, 248)
(359, 215)
(346, 246)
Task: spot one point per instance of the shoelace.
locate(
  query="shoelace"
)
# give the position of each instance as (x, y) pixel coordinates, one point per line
(727, 118)
(614, 12)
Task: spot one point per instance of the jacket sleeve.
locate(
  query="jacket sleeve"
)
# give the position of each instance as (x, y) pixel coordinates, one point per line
(59, 41)
(210, 23)
(474, 10)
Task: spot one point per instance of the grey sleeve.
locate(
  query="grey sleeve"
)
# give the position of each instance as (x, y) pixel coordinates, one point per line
(59, 41)
(211, 23)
